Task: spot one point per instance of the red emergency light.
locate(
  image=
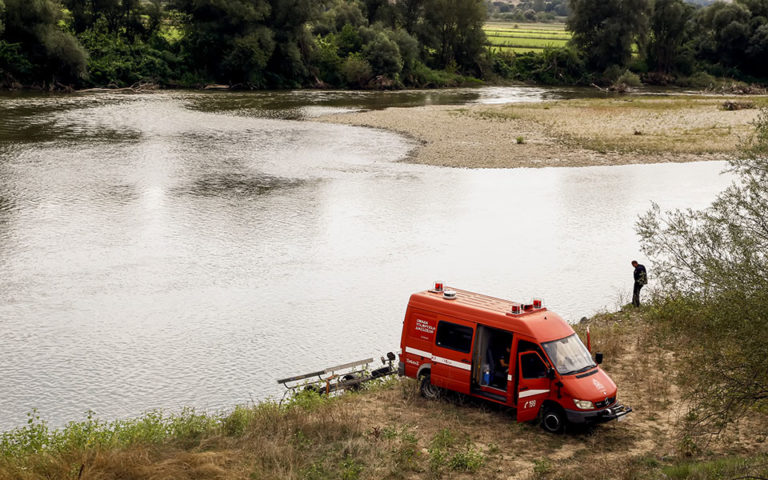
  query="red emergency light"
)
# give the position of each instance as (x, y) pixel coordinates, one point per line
(537, 303)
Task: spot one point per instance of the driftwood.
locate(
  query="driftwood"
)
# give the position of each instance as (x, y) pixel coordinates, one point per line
(734, 105)
(136, 87)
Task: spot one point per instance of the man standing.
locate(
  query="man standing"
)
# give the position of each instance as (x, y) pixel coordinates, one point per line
(641, 278)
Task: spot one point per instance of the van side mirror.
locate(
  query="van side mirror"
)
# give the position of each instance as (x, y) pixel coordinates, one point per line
(598, 358)
(551, 373)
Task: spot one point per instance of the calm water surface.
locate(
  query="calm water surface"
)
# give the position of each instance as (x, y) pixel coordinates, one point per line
(187, 249)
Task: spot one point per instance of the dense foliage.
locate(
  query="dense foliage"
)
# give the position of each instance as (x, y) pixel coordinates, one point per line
(243, 43)
(370, 43)
(669, 39)
(529, 10)
(605, 30)
(713, 266)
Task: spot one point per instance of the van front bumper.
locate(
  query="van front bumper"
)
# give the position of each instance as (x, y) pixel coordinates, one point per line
(615, 412)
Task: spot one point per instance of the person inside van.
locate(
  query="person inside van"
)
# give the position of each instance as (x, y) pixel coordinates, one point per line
(504, 361)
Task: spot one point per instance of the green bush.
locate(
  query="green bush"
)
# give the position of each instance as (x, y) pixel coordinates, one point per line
(554, 66)
(628, 79)
(13, 62)
(383, 55)
(700, 80)
(356, 71)
(713, 268)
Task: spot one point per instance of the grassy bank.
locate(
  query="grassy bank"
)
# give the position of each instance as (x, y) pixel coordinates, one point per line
(389, 431)
(695, 125)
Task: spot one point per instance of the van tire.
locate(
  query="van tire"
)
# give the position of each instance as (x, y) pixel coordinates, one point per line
(553, 420)
(427, 389)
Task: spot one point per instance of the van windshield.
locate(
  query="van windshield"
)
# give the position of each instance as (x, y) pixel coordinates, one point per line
(569, 355)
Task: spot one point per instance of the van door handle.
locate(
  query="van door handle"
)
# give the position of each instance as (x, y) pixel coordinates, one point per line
(465, 360)
(522, 389)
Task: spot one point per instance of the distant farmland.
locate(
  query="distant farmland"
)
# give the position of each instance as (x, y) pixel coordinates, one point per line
(525, 37)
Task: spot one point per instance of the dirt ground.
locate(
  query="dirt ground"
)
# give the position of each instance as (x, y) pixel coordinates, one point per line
(582, 132)
(647, 436)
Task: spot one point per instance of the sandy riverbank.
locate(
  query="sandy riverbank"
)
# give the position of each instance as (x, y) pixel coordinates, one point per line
(581, 132)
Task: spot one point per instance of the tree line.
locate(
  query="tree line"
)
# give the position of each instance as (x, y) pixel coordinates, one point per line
(246, 43)
(665, 39)
(369, 43)
(529, 10)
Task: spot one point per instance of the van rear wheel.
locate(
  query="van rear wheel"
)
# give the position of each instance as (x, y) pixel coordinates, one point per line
(553, 420)
(427, 389)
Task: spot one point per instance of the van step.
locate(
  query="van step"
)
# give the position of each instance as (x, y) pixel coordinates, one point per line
(492, 396)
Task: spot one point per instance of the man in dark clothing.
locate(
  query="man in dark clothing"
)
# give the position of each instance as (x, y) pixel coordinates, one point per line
(641, 278)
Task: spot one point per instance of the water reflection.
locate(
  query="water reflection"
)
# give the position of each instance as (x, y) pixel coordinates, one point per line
(236, 185)
(203, 253)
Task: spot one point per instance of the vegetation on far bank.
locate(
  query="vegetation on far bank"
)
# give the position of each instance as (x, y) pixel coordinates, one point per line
(373, 43)
(522, 38)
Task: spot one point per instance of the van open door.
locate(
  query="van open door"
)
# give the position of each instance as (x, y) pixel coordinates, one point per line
(533, 386)
(452, 356)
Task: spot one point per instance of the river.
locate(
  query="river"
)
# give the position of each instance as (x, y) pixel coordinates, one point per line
(180, 249)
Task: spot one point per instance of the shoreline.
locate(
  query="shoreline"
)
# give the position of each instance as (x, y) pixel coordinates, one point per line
(565, 133)
(389, 431)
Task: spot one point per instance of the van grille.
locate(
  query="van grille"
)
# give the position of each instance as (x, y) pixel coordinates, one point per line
(605, 403)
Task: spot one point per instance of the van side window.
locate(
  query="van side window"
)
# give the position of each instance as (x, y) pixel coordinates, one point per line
(532, 366)
(525, 346)
(455, 337)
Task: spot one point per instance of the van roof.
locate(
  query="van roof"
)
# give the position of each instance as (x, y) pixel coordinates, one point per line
(540, 323)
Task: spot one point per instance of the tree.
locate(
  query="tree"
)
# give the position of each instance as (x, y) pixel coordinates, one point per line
(410, 12)
(605, 30)
(452, 33)
(724, 33)
(713, 266)
(288, 21)
(668, 33)
(383, 55)
(757, 51)
(228, 41)
(759, 8)
(53, 55)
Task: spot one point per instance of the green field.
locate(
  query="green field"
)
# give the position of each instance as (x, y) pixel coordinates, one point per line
(525, 37)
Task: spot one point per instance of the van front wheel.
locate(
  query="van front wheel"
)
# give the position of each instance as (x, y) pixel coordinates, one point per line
(428, 391)
(553, 420)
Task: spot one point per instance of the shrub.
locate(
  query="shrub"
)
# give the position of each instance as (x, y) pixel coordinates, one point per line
(713, 266)
(701, 80)
(356, 71)
(627, 80)
(383, 55)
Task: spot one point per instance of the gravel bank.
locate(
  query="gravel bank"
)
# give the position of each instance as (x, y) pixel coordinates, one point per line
(564, 133)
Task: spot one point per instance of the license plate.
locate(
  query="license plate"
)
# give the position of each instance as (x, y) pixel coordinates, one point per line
(621, 418)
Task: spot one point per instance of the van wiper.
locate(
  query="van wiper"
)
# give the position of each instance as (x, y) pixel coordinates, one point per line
(584, 369)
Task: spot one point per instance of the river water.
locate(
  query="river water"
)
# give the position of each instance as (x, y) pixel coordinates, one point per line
(187, 249)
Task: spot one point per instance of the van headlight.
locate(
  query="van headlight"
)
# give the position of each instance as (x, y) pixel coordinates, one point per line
(584, 404)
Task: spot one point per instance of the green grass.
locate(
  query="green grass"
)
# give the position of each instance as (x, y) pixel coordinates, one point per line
(513, 37)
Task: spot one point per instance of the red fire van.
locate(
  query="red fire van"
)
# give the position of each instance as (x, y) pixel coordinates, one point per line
(523, 356)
